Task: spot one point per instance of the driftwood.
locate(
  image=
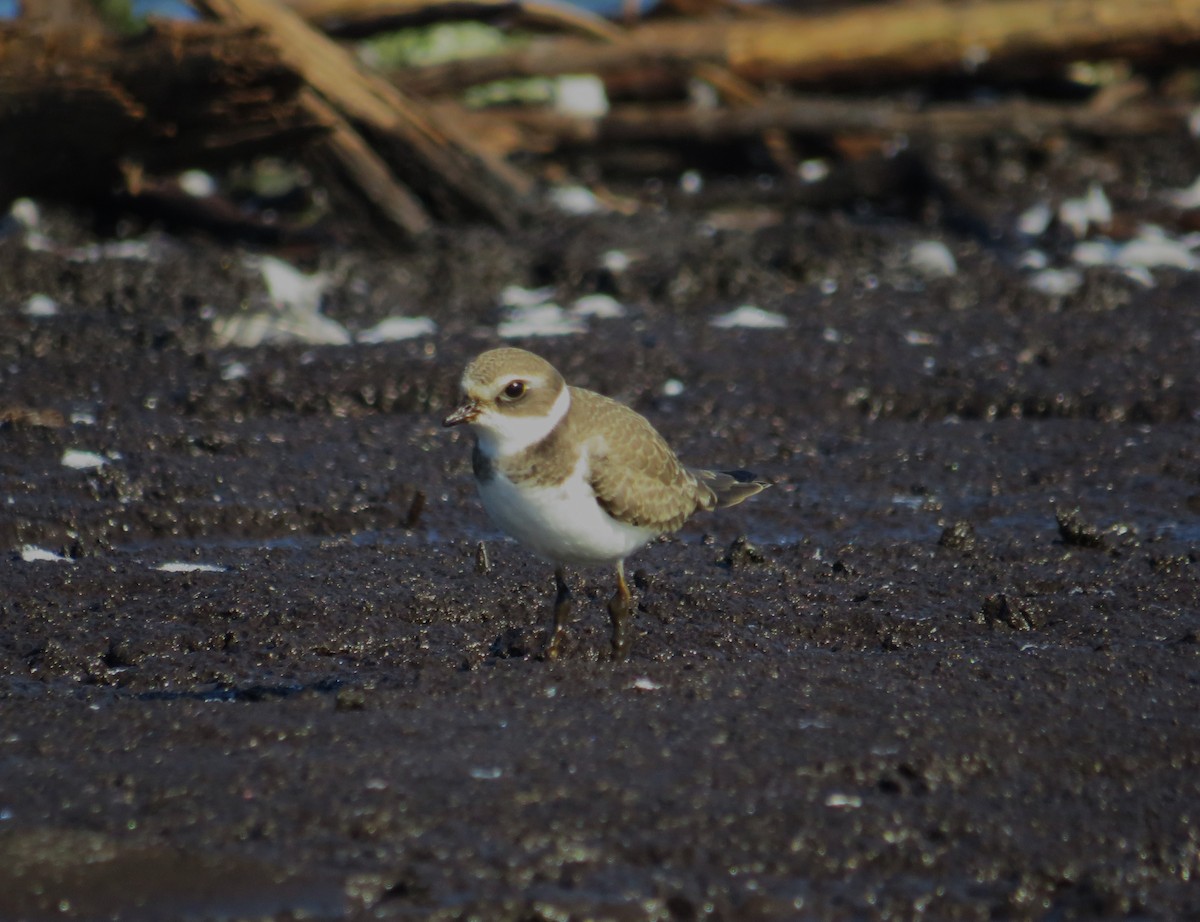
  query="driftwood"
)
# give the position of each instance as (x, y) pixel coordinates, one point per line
(863, 45)
(84, 114)
(78, 108)
(362, 17)
(823, 116)
(459, 176)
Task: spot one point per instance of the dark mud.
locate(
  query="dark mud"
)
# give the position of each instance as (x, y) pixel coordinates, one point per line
(948, 667)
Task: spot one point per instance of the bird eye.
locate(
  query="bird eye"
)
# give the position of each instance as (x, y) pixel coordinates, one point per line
(515, 390)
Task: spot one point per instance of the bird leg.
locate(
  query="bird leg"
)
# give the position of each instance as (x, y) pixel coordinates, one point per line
(562, 611)
(620, 609)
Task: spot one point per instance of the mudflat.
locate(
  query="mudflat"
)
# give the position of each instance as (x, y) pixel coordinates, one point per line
(263, 656)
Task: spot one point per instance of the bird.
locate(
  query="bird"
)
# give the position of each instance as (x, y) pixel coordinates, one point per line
(578, 478)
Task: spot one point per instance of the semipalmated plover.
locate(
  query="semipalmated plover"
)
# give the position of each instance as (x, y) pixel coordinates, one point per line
(576, 477)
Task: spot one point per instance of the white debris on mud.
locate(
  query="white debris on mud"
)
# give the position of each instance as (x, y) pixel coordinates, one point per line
(176, 566)
(1090, 210)
(31, 553)
(40, 306)
(532, 312)
(599, 306)
(82, 460)
(749, 317)
(1087, 217)
(294, 315)
(539, 320)
(933, 259)
(397, 328)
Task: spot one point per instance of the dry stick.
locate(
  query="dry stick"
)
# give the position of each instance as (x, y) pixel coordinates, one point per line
(866, 44)
(829, 116)
(365, 16)
(361, 15)
(739, 94)
(368, 170)
(357, 13)
(437, 152)
(832, 116)
(926, 38)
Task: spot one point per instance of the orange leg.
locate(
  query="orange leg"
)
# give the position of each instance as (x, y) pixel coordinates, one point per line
(620, 609)
(562, 611)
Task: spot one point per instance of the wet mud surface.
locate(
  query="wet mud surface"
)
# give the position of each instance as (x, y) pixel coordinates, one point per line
(947, 667)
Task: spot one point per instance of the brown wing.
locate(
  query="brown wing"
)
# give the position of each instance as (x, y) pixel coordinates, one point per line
(636, 476)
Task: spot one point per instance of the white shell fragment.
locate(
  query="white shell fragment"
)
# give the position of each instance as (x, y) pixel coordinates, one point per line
(294, 316)
(1056, 282)
(1034, 221)
(516, 296)
(197, 183)
(1079, 214)
(812, 171)
(31, 553)
(250, 330)
(750, 317)
(531, 312)
(234, 371)
(395, 329)
(691, 182)
(933, 258)
(540, 320)
(1193, 122)
(575, 200)
(82, 460)
(1187, 198)
(581, 95)
(40, 306)
(176, 566)
(848, 801)
(1033, 259)
(616, 261)
(1152, 248)
(1095, 253)
(288, 285)
(25, 211)
(919, 338)
(599, 306)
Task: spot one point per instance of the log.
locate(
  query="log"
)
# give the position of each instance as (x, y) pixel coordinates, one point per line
(824, 116)
(870, 45)
(364, 17)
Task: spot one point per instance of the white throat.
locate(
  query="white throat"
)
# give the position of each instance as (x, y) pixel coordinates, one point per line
(500, 436)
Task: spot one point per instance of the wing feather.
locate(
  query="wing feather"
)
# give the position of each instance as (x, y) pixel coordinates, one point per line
(636, 476)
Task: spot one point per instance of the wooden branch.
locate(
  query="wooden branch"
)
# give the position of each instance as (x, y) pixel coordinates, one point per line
(941, 37)
(363, 17)
(826, 116)
(368, 172)
(435, 155)
(867, 45)
(829, 116)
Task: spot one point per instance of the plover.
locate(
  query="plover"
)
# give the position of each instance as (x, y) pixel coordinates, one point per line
(576, 477)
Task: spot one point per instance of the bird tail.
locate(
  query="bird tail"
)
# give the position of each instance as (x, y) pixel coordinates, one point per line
(731, 487)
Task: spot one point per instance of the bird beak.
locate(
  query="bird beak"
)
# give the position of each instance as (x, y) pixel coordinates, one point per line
(466, 413)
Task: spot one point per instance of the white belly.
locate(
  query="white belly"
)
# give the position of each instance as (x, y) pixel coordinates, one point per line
(564, 524)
